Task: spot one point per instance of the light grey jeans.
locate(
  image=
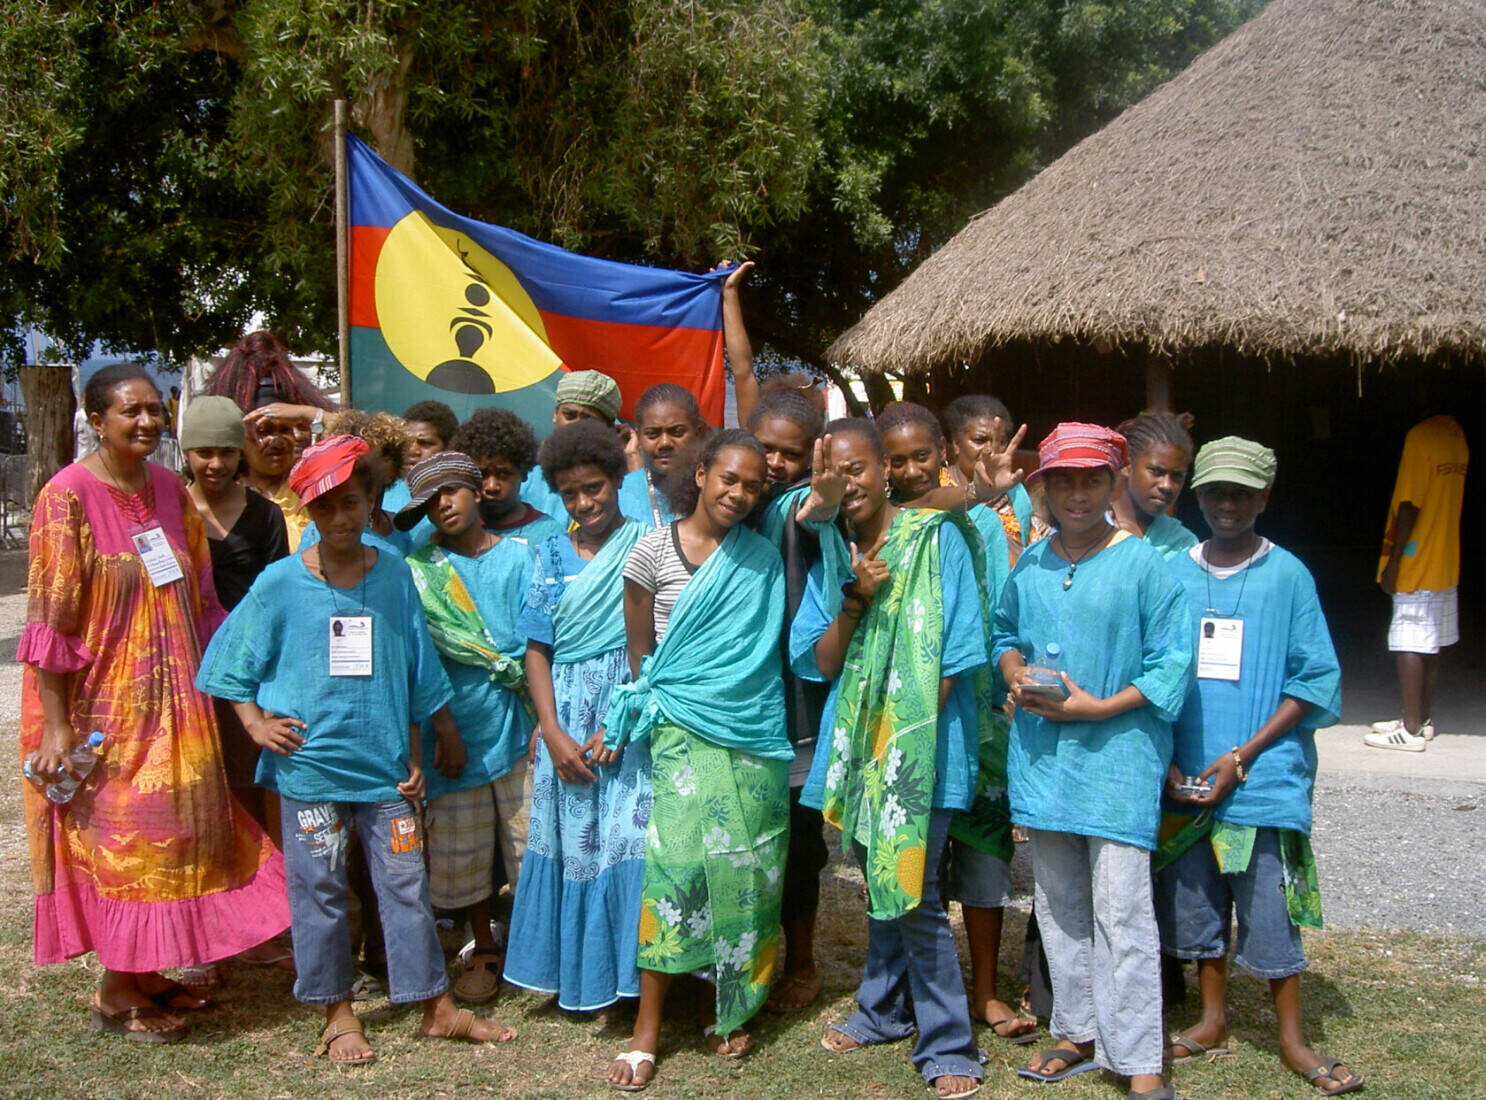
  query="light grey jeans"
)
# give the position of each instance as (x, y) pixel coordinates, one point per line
(1098, 926)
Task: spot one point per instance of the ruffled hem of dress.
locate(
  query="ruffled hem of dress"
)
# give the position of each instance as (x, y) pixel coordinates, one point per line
(52, 651)
(139, 936)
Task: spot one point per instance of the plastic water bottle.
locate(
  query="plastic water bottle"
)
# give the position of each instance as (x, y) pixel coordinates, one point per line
(82, 759)
(1046, 677)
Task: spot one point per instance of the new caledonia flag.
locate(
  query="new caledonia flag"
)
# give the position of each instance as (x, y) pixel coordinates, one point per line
(447, 308)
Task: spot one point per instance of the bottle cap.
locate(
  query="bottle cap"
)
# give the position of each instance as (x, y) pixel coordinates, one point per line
(95, 739)
(1053, 649)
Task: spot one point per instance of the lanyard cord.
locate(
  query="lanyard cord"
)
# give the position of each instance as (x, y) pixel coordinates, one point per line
(1207, 576)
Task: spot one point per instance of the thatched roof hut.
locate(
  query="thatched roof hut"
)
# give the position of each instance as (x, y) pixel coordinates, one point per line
(1313, 184)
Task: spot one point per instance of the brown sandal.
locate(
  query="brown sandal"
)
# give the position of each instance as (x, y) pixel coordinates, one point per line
(333, 1031)
(464, 1024)
(479, 981)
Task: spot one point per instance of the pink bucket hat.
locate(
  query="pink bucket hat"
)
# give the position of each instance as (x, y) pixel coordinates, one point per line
(1080, 447)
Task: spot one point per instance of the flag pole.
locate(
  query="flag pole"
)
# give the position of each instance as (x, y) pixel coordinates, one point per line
(342, 256)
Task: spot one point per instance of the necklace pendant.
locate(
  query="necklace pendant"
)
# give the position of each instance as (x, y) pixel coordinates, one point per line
(1067, 583)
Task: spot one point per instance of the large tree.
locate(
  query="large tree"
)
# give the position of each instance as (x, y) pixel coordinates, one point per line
(165, 166)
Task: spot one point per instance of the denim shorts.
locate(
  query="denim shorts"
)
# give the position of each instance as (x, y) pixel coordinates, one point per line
(1195, 905)
(975, 878)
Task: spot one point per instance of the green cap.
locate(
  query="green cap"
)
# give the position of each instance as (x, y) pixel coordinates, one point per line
(211, 422)
(1236, 460)
(591, 388)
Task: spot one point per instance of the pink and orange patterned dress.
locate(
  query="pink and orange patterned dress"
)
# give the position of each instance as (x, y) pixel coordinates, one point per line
(152, 864)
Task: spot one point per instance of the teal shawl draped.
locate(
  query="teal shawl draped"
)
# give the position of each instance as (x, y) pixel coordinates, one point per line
(717, 671)
(833, 549)
(589, 618)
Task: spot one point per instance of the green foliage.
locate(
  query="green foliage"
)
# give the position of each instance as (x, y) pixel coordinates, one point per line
(166, 171)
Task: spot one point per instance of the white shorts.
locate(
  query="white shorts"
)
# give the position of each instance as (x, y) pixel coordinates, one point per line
(1424, 621)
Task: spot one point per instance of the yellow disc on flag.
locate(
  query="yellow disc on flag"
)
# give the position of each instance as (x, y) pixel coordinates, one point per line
(456, 316)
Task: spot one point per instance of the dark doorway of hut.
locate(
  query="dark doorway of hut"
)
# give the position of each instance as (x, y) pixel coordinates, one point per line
(1338, 430)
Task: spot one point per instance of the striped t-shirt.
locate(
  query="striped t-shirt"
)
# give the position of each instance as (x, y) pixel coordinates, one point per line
(657, 565)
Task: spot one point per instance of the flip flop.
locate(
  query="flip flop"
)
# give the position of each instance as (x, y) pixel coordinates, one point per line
(164, 997)
(117, 1023)
(1014, 1040)
(464, 1024)
(634, 1059)
(1165, 1092)
(1195, 1051)
(1073, 1062)
(1324, 1068)
(954, 1095)
(333, 1031)
(826, 1046)
(710, 1031)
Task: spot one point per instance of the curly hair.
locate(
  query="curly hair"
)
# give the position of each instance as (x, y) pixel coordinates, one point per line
(900, 414)
(436, 415)
(582, 443)
(497, 433)
(1159, 429)
(862, 429)
(791, 405)
(258, 370)
(962, 410)
(680, 486)
(383, 432)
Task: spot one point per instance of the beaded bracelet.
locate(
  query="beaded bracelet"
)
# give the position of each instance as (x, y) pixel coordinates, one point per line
(1243, 773)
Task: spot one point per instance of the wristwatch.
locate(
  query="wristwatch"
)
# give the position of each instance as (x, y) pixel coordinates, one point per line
(317, 425)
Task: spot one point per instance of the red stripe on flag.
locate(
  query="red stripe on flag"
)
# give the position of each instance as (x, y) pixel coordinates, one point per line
(366, 247)
(639, 356)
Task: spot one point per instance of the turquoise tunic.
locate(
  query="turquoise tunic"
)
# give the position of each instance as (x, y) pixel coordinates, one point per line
(492, 720)
(274, 649)
(1287, 652)
(1169, 536)
(635, 499)
(1123, 621)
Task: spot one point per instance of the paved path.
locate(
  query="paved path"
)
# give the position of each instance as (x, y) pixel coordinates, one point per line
(1398, 835)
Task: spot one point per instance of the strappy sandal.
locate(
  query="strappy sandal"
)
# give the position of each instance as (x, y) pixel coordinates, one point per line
(117, 1023)
(634, 1059)
(710, 1032)
(166, 997)
(333, 1031)
(479, 980)
(1015, 1040)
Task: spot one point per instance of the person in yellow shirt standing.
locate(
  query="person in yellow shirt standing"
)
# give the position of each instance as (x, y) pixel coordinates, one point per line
(1420, 568)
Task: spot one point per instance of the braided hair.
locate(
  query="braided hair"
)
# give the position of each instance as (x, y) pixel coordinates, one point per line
(900, 414)
(962, 410)
(1159, 429)
(791, 405)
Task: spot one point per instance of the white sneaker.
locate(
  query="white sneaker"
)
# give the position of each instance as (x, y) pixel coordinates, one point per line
(1392, 725)
(1392, 735)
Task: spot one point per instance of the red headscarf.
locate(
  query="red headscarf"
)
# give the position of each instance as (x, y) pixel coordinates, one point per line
(1081, 446)
(325, 465)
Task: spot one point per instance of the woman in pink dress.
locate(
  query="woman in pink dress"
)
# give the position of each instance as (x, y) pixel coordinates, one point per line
(152, 864)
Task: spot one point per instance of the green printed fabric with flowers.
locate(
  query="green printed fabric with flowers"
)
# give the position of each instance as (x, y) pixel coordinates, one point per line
(1233, 848)
(879, 787)
(714, 867)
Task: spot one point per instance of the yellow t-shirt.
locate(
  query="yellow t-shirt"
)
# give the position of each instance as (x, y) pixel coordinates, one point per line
(1431, 476)
(296, 519)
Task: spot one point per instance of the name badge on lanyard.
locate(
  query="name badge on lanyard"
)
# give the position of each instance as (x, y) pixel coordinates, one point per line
(350, 645)
(158, 558)
(1219, 648)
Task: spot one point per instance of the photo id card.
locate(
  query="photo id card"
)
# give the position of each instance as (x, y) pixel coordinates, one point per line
(350, 645)
(158, 558)
(1219, 648)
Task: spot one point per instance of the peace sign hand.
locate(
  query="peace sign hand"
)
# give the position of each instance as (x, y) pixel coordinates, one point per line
(996, 472)
(871, 574)
(826, 485)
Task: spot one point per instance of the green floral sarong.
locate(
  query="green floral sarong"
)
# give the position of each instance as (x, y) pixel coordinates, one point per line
(454, 622)
(1233, 847)
(879, 787)
(714, 867)
(986, 825)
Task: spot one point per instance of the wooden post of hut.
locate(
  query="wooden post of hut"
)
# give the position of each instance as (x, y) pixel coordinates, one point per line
(1157, 382)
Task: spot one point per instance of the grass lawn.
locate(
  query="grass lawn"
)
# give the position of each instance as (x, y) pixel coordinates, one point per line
(1396, 1006)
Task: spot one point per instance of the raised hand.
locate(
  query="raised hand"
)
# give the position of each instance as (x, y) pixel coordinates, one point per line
(995, 471)
(871, 574)
(827, 486)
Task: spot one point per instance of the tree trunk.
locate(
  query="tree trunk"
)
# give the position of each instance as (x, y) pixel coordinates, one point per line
(50, 405)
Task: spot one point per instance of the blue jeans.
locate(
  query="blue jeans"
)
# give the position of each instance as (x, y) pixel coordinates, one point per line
(912, 978)
(1195, 904)
(316, 838)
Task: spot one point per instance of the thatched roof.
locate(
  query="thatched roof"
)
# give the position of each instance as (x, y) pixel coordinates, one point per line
(1313, 183)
